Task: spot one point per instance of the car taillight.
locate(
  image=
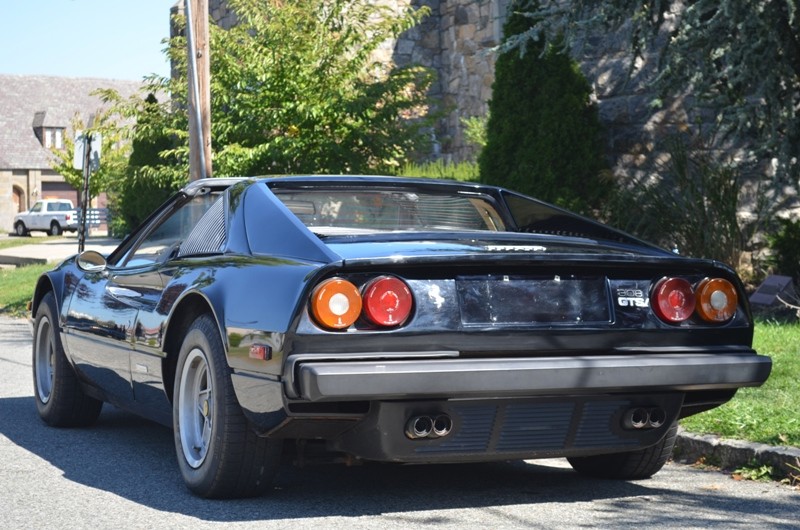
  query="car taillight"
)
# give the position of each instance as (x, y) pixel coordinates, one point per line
(336, 303)
(673, 300)
(716, 300)
(387, 301)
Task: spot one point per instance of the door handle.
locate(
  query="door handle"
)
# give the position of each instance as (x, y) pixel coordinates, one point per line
(123, 292)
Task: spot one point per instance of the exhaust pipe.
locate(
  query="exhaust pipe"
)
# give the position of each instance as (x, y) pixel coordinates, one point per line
(657, 417)
(442, 425)
(637, 418)
(419, 427)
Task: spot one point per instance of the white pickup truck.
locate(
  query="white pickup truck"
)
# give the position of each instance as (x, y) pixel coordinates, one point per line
(53, 216)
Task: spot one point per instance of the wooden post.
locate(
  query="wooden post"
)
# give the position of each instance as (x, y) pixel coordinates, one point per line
(199, 89)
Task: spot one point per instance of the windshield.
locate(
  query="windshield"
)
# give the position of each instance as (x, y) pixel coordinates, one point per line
(349, 211)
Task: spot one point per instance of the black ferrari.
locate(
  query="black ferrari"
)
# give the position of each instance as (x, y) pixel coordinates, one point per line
(389, 319)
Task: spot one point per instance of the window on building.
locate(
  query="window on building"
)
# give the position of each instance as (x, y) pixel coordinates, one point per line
(53, 137)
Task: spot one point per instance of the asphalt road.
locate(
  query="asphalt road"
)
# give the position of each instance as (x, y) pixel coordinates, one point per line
(122, 473)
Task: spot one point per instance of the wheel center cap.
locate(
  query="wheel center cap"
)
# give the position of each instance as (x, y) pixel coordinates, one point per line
(205, 408)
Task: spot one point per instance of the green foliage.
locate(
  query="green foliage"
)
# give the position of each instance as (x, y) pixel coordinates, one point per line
(294, 89)
(741, 59)
(114, 151)
(463, 171)
(543, 133)
(785, 248)
(475, 130)
(150, 177)
(690, 206)
(755, 471)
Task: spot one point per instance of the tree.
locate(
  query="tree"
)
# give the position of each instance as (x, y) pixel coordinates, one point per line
(741, 59)
(543, 133)
(146, 184)
(295, 89)
(114, 152)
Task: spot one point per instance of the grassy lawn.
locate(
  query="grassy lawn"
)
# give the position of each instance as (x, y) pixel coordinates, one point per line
(9, 242)
(16, 288)
(769, 414)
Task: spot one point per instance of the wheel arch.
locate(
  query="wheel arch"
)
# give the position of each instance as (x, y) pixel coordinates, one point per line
(186, 311)
(45, 284)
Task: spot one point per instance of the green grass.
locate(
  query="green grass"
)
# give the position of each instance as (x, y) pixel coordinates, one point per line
(16, 288)
(768, 414)
(10, 242)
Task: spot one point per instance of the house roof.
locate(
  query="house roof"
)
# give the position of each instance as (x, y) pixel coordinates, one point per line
(28, 102)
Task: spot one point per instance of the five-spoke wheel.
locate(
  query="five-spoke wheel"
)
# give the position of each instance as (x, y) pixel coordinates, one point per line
(219, 454)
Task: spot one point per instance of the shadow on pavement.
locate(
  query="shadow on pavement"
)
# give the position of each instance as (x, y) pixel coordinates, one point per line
(135, 459)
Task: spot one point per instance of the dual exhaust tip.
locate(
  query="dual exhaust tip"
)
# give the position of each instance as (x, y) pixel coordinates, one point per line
(419, 427)
(440, 425)
(642, 418)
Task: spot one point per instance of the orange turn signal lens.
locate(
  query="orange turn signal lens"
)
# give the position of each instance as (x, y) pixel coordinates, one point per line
(336, 303)
(716, 300)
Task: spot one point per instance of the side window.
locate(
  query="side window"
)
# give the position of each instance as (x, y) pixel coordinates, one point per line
(37, 207)
(163, 242)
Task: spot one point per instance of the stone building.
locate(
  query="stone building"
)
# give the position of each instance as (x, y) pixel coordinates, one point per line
(36, 114)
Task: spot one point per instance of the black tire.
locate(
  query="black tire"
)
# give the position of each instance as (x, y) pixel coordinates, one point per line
(219, 455)
(633, 465)
(55, 229)
(20, 229)
(60, 400)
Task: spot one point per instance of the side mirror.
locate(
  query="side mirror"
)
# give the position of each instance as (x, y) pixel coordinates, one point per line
(91, 261)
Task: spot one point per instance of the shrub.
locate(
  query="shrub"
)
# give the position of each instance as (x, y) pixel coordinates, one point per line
(543, 135)
(463, 171)
(785, 249)
(690, 205)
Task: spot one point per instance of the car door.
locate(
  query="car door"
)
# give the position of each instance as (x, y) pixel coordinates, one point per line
(99, 329)
(114, 328)
(34, 218)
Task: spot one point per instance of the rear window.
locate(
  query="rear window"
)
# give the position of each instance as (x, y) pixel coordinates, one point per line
(351, 211)
(59, 207)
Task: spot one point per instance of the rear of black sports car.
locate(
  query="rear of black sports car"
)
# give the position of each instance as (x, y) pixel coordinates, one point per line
(533, 334)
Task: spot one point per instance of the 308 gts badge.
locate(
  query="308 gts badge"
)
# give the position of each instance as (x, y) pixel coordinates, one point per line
(632, 298)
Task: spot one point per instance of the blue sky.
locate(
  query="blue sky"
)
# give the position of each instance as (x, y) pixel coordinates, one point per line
(117, 39)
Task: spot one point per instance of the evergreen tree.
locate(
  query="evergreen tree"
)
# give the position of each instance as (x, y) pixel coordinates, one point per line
(543, 133)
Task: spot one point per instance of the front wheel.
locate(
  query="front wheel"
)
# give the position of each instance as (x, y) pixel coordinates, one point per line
(60, 400)
(219, 455)
(20, 229)
(632, 465)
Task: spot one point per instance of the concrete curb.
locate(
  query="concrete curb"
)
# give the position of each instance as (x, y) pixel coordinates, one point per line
(17, 261)
(691, 448)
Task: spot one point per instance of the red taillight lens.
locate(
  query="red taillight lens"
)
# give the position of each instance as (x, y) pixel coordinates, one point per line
(716, 300)
(673, 300)
(336, 303)
(387, 301)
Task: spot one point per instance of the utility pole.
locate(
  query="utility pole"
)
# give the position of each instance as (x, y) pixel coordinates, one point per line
(199, 89)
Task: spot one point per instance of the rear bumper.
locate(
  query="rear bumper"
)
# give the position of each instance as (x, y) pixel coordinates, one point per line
(319, 380)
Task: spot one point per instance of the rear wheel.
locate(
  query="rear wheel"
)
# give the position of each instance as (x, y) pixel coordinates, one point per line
(219, 455)
(20, 229)
(59, 397)
(55, 229)
(633, 465)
